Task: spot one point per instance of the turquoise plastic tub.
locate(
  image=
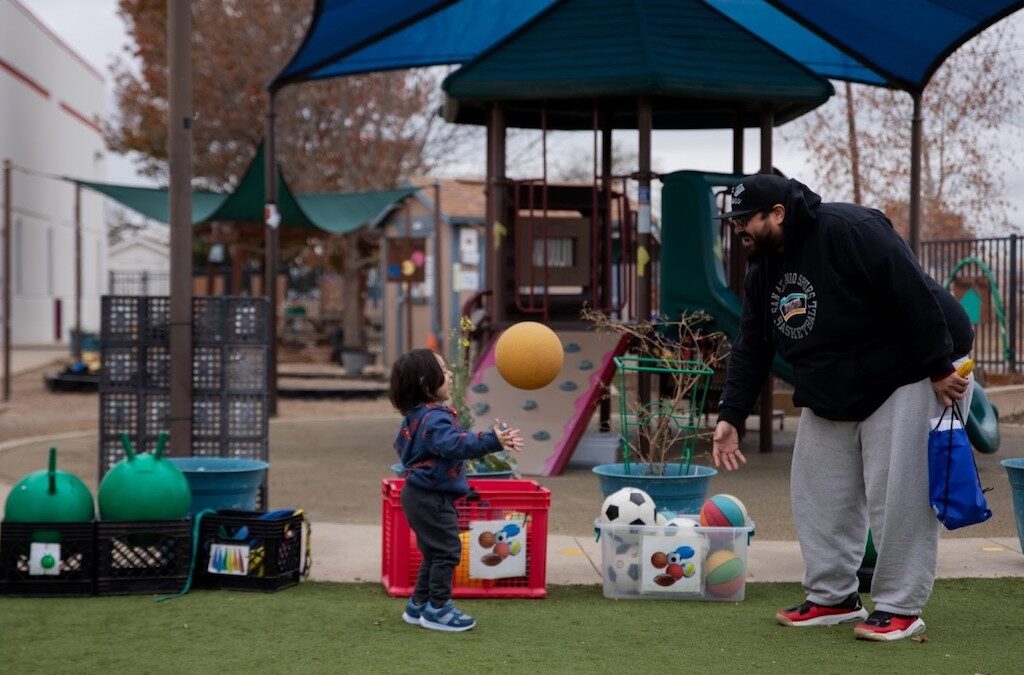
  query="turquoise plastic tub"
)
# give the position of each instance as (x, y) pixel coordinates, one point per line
(671, 492)
(1015, 472)
(222, 482)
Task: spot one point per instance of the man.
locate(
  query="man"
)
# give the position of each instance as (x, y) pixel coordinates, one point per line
(872, 340)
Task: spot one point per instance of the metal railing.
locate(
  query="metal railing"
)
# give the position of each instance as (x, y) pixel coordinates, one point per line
(139, 283)
(985, 275)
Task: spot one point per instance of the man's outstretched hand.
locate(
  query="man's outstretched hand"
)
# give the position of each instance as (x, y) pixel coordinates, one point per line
(725, 447)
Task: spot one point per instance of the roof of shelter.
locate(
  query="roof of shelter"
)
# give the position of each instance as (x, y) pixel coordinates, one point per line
(699, 66)
(895, 44)
(462, 199)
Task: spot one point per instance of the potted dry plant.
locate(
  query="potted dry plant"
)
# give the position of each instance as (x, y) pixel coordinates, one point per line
(659, 433)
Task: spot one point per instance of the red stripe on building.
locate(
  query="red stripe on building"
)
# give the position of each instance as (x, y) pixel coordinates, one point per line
(56, 38)
(80, 117)
(24, 79)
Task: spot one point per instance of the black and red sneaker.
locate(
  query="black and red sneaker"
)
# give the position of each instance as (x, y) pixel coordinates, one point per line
(813, 614)
(886, 626)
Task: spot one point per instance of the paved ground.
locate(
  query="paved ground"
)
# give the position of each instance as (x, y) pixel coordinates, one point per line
(328, 457)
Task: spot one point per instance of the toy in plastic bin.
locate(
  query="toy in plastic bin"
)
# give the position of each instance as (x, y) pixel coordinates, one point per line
(248, 557)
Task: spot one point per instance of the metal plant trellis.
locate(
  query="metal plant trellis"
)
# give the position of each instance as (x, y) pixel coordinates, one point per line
(663, 421)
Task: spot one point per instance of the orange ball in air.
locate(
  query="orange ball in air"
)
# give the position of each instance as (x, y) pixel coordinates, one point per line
(529, 355)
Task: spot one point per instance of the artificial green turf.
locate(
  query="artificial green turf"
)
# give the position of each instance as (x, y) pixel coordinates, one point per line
(974, 626)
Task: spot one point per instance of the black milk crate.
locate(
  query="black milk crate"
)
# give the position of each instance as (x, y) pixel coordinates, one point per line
(77, 559)
(252, 554)
(139, 557)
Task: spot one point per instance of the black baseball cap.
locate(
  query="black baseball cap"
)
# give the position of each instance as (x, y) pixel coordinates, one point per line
(758, 192)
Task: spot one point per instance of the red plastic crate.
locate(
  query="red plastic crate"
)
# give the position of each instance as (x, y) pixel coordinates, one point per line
(490, 499)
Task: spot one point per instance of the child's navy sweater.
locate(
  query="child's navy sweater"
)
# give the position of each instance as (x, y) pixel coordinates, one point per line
(433, 446)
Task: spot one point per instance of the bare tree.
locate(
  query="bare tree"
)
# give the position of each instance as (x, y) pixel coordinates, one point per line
(859, 143)
(351, 133)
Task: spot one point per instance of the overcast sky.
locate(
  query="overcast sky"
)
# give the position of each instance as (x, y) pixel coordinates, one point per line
(93, 29)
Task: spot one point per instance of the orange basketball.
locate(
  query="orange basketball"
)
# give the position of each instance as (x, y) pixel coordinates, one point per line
(529, 355)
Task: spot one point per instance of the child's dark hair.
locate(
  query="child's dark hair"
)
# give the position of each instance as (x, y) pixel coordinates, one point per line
(415, 377)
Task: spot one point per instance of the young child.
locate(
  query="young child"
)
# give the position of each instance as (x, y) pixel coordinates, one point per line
(433, 446)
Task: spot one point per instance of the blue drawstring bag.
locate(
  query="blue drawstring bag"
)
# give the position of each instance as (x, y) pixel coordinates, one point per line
(954, 485)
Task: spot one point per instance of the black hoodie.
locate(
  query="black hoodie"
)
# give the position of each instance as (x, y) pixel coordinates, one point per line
(847, 304)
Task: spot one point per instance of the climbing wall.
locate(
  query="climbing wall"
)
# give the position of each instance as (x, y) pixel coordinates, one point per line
(553, 418)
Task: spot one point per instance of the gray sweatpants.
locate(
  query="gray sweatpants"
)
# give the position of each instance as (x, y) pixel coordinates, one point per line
(849, 475)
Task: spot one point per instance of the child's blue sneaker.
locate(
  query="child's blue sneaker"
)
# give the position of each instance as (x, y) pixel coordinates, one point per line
(413, 612)
(446, 618)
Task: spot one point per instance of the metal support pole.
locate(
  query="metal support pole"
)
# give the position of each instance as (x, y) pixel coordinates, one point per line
(737, 259)
(270, 253)
(408, 284)
(494, 263)
(7, 279)
(915, 176)
(1014, 292)
(438, 287)
(643, 263)
(78, 272)
(605, 414)
(179, 153)
(768, 391)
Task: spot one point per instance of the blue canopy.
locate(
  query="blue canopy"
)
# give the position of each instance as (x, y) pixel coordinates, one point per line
(896, 44)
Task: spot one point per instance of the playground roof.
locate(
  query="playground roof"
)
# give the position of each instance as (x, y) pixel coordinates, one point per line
(336, 213)
(700, 68)
(895, 44)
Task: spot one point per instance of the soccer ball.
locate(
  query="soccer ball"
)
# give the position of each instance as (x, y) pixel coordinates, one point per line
(679, 523)
(629, 506)
(622, 574)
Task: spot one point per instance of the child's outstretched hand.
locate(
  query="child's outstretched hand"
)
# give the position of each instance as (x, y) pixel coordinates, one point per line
(509, 438)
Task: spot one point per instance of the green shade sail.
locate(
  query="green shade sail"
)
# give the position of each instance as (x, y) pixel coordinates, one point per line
(335, 213)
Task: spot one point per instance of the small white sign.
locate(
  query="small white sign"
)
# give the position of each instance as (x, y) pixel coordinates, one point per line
(469, 246)
(671, 563)
(229, 559)
(497, 549)
(44, 559)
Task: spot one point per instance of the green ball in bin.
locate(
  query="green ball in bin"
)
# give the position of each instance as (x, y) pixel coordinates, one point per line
(49, 496)
(144, 487)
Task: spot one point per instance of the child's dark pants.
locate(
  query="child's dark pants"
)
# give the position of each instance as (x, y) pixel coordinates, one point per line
(432, 516)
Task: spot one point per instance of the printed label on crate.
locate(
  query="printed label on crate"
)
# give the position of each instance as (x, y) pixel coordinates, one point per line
(497, 549)
(44, 559)
(671, 563)
(229, 559)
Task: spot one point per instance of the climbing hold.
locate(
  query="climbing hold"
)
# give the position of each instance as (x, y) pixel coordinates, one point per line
(529, 404)
(568, 385)
(480, 408)
(586, 365)
(571, 348)
(541, 435)
(480, 388)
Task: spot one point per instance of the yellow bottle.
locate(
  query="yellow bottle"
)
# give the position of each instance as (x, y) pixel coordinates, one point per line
(965, 368)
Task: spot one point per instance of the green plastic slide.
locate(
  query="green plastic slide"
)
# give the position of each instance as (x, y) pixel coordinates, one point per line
(693, 278)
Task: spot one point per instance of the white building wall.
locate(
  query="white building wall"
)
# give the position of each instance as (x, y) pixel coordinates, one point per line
(51, 107)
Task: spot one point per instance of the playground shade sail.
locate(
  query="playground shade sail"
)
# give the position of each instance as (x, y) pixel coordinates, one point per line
(895, 44)
(335, 213)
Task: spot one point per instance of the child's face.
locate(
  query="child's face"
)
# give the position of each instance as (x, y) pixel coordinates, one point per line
(443, 392)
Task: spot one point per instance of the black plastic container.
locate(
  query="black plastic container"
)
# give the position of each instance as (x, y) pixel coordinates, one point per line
(272, 550)
(77, 562)
(140, 557)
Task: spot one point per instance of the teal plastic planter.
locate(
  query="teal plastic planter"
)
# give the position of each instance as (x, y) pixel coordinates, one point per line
(1015, 472)
(222, 482)
(671, 492)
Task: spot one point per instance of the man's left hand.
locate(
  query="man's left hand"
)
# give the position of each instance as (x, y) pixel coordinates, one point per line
(951, 388)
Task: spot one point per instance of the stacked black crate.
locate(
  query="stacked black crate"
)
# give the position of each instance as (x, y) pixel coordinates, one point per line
(135, 374)
(230, 343)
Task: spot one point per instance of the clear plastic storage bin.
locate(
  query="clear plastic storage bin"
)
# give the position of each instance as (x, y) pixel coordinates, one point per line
(671, 562)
